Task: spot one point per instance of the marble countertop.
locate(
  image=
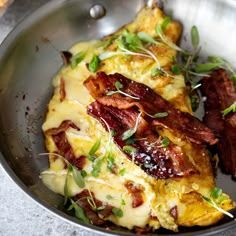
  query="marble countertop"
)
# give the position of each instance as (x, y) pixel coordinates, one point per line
(19, 214)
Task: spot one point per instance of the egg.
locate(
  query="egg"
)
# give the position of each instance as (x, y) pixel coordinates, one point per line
(160, 197)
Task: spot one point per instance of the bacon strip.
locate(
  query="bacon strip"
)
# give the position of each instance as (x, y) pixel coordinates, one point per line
(148, 102)
(136, 191)
(59, 137)
(155, 160)
(220, 93)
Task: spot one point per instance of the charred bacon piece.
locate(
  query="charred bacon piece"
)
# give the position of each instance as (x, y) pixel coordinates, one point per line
(65, 149)
(149, 153)
(220, 93)
(149, 102)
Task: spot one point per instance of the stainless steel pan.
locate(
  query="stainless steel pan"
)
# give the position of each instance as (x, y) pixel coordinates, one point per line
(29, 58)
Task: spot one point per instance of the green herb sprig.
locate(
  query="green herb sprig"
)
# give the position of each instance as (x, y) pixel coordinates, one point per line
(160, 28)
(119, 86)
(130, 132)
(157, 115)
(117, 212)
(164, 143)
(94, 63)
(79, 212)
(230, 109)
(77, 58)
(216, 198)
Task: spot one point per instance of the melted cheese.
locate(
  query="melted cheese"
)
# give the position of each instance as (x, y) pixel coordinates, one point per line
(160, 196)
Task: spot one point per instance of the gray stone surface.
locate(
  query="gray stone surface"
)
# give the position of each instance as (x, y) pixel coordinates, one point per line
(20, 215)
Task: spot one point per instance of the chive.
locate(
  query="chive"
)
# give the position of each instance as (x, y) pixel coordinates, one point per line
(195, 36)
(94, 63)
(117, 212)
(77, 58)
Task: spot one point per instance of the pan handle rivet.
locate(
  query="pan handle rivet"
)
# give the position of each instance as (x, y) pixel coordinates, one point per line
(97, 11)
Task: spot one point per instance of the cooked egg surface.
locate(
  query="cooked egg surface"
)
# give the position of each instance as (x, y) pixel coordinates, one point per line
(160, 196)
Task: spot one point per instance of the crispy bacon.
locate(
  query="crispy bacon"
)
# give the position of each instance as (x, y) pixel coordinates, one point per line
(59, 137)
(174, 212)
(150, 155)
(220, 93)
(62, 90)
(136, 191)
(96, 217)
(149, 102)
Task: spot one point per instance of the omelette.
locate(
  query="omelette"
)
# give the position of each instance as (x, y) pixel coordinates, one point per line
(122, 141)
